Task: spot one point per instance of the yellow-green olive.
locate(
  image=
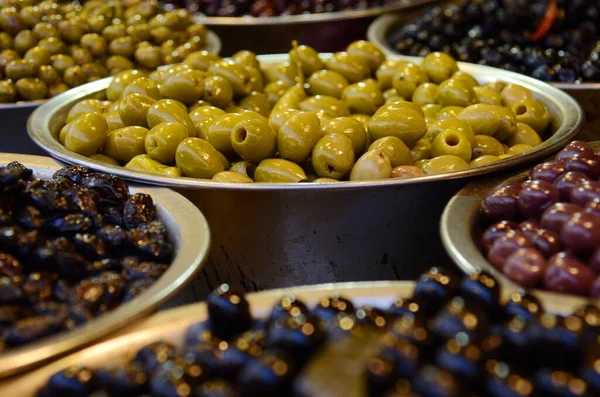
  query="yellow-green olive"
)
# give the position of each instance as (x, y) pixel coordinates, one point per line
(455, 93)
(363, 97)
(524, 135)
(407, 78)
(105, 159)
(114, 120)
(486, 145)
(519, 148)
(445, 163)
(201, 60)
(219, 132)
(533, 113)
(279, 171)
(217, 91)
(31, 89)
(368, 53)
(484, 160)
(133, 109)
(353, 68)
(244, 167)
(236, 74)
(372, 165)
(466, 77)
(144, 163)
(290, 100)
(196, 158)
(425, 94)
(487, 95)
(275, 90)
(406, 124)
(449, 112)
(439, 66)
(231, 177)
(513, 94)
(185, 86)
(386, 71)
(440, 126)
(145, 86)
(162, 141)
(406, 172)
(86, 134)
(307, 58)
(298, 136)
(246, 57)
(395, 149)
(168, 110)
(332, 107)
(351, 127)
(125, 143)
(333, 156)
(431, 111)
(257, 102)
(85, 106)
(120, 82)
(421, 150)
(481, 118)
(253, 140)
(451, 142)
(277, 119)
(399, 103)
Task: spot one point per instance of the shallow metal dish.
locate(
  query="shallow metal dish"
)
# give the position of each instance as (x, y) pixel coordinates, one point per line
(190, 233)
(461, 232)
(276, 235)
(587, 94)
(13, 134)
(170, 326)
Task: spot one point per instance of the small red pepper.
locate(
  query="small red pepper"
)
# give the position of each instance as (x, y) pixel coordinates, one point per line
(547, 21)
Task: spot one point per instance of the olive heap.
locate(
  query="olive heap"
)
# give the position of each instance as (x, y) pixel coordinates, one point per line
(354, 116)
(546, 230)
(72, 248)
(452, 338)
(270, 8)
(555, 40)
(48, 47)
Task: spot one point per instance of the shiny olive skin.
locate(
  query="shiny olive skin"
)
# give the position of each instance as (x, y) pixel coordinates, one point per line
(256, 79)
(466, 77)
(444, 163)
(162, 141)
(105, 159)
(524, 135)
(133, 109)
(352, 67)
(395, 149)
(246, 57)
(431, 112)
(513, 94)
(275, 91)
(455, 93)
(167, 110)
(308, 59)
(231, 177)
(86, 134)
(257, 102)
(298, 136)
(20, 68)
(113, 120)
(201, 60)
(372, 165)
(291, 99)
(407, 78)
(8, 92)
(406, 124)
(85, 106)
(399, 103)
(452, 142)
(236, 74)
(386, 71)
(533, 113)
(185, 86)
(217, 91)
(439, 66)
(196, 158)
(203, 113)
(120, 82)
(519, 149)
(368, 53)
(253, 140)
(450, 124)
(487, 95)
(406, 171)
(484, 160)
(31, 89)
(332, 107)
(364, 97)
(279, 171)
(282, 72)
(244, 167)
(219, 132)
(481, 118)
(352, 128)
(48, 74)
(277, 119)
(486, 145)
(421, 150)
(145, 86)
(144, 163)
(333, 156)
(425, 94)
(125, 143)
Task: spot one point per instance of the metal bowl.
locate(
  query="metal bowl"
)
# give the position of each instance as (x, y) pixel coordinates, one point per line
(276, 235)
(461, 230)
(170, 326)
(13, 135)
(267, 35)
(587, 94)
(190, 233)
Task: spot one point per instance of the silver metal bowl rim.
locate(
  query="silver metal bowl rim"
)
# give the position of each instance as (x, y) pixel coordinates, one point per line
(192, 237)
(377, 34)
(462, 215)
(573, 121)
(310, 18)
(214, 46)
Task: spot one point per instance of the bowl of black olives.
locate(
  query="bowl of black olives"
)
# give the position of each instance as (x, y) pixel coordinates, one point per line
(83, 254)
(440, 336)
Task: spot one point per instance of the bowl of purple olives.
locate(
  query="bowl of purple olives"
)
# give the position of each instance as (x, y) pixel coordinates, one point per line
(83, 254)
(443, 335)
(539, 229)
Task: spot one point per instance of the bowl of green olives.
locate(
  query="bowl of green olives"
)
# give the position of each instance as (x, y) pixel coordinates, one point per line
(40, 296)
(298, 164)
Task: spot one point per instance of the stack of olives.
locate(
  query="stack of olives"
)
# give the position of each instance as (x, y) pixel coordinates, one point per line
(48, 47)
(352, 116)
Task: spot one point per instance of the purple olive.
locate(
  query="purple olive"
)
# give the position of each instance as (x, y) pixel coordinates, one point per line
(495, 231)
(535, 197)
(587, 165)
(530, 227)
(568, 181)
(575, 149)
(526, 266)
(502, 203)
(581, 233)
(584, 193)
(567, 274)
(557, 215)
(548, 171)
(547, 242)
(593, 207)
(505, 246)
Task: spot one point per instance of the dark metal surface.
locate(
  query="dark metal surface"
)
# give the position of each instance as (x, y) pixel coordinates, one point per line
(13, 129)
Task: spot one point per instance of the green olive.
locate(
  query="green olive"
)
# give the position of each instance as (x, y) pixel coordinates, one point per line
(406, 172)
(362, 118)
(31, 89)
(277, 119)
(117, 64)
(307, 58)
(486, 145)
(425, 94)
(8, 92)
(94, 43)
(399, 103)
(133, 109)
(514, 93)
(368, 53)
(455, 93)
(390, 94)
(487, 95)
(421, 150)
(148, 56)
(291, 99)
(231, 177)
(325, 180)
(508, 121)
(327, 82)
(20, 69)
(167, 110)
(123, 46)
(484, 160)
(482, 119)
(386, 71)
(332, 107)
(395, 149)
(162, 141)
(245, 57)
(524, 135)
(279, 171)
(113, 120)
(256, 79)
(144, 163)
(407, 78)
(449, 112)
(81, 56)
(451, 142)
(364, 97)
(256, 102)
(145, 86)
(244, 167)
(219, 132)
(275, 91)
(333, 156)
(120, 82)
(48, 74)
(25, 40)
(282, 72)
(439, 66)
(236, 74)
(87, 134)
(533, 113)
(372, 165)
(85, 106)
(57, 89)
(353, 68)
(39, 56)
(497, 86)
(54, 45)
(185, 86)
(105, 159)
(350, 127)
(112, 32)
(406, 124)
(217, 91)
(298, 136)
(440, 126)
(253, 140)
(196, 158)
(445, 163)
(519, 149)
(466, 77)
(125, 143)
(74, 76)
(205, 113)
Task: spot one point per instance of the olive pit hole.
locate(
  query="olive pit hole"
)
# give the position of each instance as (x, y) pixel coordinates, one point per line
(452, 140)
(521, 110)
(240, 135)
(330, 168)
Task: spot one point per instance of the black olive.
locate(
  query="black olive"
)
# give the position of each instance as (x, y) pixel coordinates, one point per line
(73, 173)
(287, 307)
(10, 292)
(216, 388)
(328, 308)
(9, 265)
(269, 375)
(136, 270)
(553, 383)
(433, 381)
(395, 358)
(436, 286)
(200, 334)
(127, 380)
(297, 336)
(90, 246)
(138, 209)
(136, 287)
(460, 316)
(31, 329)
(71, 224)
(154, 355)
(10, 314)
(523, 304)
(228, 312)
(39, 286)
(114, 236)
(173, 377)
(80, 200)
(75, 381)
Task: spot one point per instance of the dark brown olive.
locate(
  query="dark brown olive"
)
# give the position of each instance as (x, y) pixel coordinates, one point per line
(575, 149)
(589, 166)
(530, 227)
(505, 246)
(548, 171)
(547, 242)
(593, 207)
(502, 203)
(557, 215)
(581, 233)
(567, 274)
(567, 181)
(495, 231)
(526, 266)
(585, 193)
(535, 196)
